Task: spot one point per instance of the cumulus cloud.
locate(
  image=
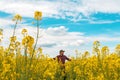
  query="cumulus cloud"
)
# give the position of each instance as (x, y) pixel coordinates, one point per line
(5, 22)
(48, 44)
(48, 37)
(54, 38)
(57, 31)
(72, 10)
(103, 21)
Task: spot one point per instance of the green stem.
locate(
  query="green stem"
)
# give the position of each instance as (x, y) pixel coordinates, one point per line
(25, 53)
(16, 64)
(15, 28)
(37, 37)
(13, 34)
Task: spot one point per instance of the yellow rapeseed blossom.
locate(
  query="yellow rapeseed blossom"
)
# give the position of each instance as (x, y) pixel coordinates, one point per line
(17, 43)
(17, 17)
(24, 31)
(43, 68)
(96, 43)
(1, 31)
(118, 47)
(28, 41)
(1, 34)
(38, 15)
(40, 50)
(13, 39)
(16, 62)
(105, 49)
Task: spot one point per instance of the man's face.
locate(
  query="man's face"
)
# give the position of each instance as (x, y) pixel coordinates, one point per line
(61, 53)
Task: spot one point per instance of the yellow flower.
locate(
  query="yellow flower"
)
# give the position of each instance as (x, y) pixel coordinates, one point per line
(17, 43)
(86, 53)
(30, 50)
(17, 17)
(105, 51)
(105, 48)
(13, 39)
(40, 50)
(12, 46)
(28, 41)
(1, 31)
(38, 15)
(1, 35)
(24, 31)
(118, 47)
(97, 43)
(77, 70)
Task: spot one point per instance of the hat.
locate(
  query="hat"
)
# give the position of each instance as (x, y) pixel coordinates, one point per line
(62, 51)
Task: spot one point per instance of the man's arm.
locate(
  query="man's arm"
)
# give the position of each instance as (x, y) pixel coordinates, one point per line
(55, 58)
(67, 58)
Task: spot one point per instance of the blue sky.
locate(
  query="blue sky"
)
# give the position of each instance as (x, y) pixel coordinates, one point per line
(66, 24)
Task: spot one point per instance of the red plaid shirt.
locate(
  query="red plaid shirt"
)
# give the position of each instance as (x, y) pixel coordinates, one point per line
(62, 58)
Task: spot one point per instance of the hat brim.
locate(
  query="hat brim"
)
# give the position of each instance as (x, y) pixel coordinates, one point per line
(62, 51)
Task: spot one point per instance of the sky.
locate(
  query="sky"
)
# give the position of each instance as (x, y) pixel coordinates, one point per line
(66, 24)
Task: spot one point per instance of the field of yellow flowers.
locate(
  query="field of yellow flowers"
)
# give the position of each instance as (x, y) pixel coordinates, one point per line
(21, 60)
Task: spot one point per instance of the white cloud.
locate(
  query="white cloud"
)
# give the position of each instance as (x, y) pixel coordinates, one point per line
(105, 6)
(103, 21)
(68, 9)
(51, 43)
(58, 31)
(103, 38)
(5, 22)
(62, 37)
(54, 39)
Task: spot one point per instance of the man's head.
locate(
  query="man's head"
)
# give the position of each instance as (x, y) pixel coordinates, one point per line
(62, 52)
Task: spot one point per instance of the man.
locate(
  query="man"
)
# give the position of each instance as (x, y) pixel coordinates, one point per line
(61, 57)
